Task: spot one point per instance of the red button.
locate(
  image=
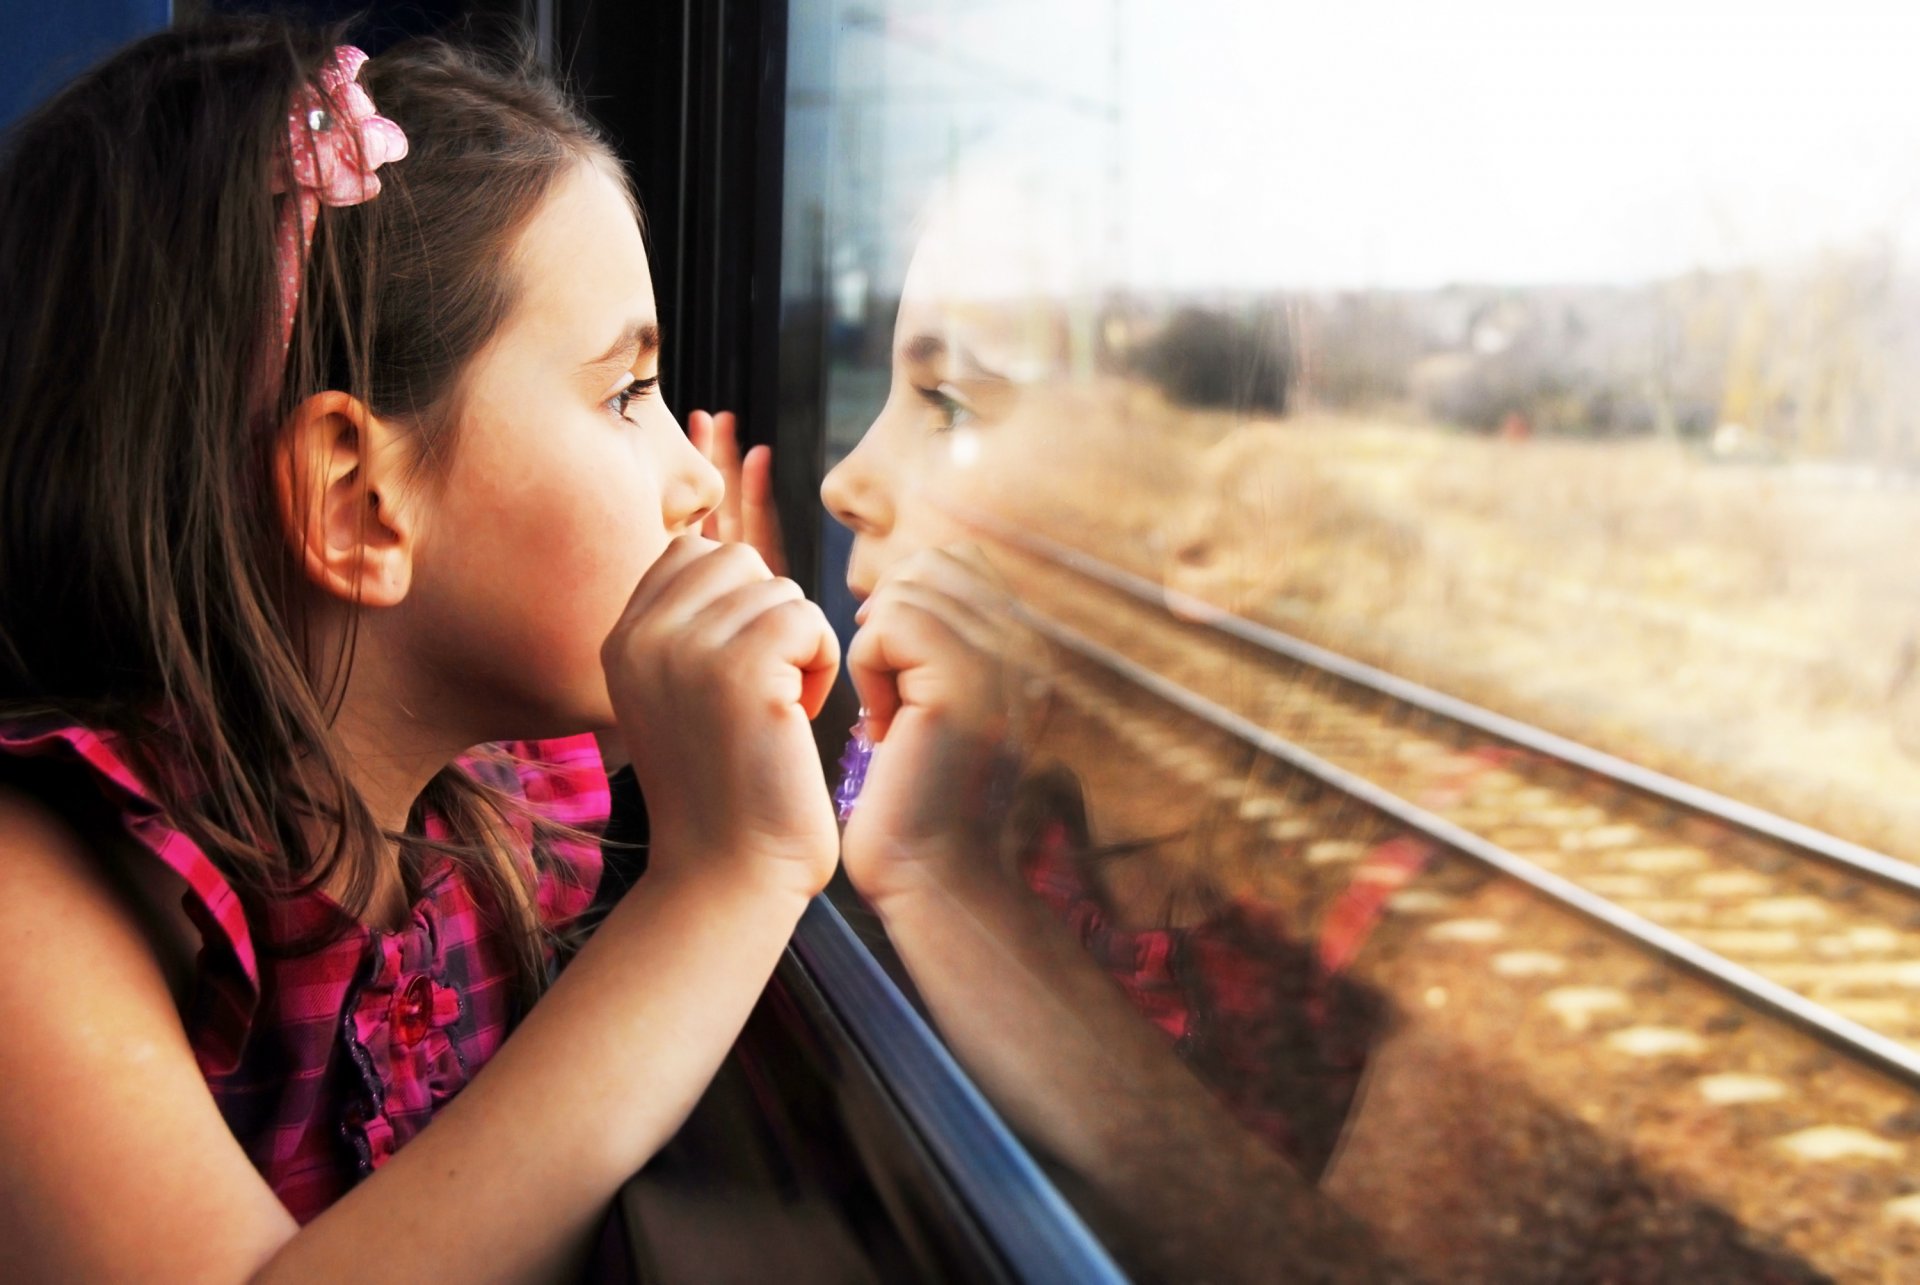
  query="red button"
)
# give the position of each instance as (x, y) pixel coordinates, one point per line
(413, 1010)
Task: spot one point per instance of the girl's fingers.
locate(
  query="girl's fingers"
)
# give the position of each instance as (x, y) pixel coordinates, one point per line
(717, 437)
(700, 433)
(981, 656)
(875, 671)
(726, 617)
(730, 610)
(726, 445)
(759, 519)
(681, 552)
(775, 615)
(796, 631)
(976, 630)
(687, 578)
(969, 594)
(997, 666)
(712, 436)
(895, 660)
(725, 456)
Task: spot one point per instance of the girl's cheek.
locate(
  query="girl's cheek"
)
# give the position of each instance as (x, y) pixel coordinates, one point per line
(923, 526)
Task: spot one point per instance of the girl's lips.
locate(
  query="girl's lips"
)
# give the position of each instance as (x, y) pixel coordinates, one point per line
(866, 567)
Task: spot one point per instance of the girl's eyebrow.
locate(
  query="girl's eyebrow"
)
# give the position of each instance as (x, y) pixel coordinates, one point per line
(928, 350)
(642, 333)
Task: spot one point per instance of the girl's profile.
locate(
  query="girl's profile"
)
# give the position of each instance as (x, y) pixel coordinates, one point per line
(345, 521)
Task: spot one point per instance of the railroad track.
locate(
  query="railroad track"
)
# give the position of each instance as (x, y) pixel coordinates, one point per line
(1815, 931)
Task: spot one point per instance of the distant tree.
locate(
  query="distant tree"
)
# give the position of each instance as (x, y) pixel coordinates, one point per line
(1205, 358)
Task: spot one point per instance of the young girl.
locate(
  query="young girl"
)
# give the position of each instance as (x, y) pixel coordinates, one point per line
(333, 448)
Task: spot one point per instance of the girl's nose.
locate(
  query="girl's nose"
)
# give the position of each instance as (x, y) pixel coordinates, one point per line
(855, 497)
(694, 488)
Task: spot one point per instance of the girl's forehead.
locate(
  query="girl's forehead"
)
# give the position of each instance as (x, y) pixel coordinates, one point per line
(582, 265)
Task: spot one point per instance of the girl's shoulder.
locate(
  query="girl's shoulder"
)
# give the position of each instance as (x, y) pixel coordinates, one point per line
(84, 780)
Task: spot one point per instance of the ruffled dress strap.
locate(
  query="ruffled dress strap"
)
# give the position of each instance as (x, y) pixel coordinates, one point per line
(227, 981)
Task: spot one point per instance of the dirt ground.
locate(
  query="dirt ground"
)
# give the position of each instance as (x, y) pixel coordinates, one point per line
(1747, 627)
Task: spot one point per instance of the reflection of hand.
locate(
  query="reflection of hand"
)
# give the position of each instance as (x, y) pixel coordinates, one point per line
(1036, 1021)
(746, 513)
(950, 682)
(715, 669)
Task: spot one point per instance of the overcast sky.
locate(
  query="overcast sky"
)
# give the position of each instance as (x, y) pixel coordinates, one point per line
(1390, 143)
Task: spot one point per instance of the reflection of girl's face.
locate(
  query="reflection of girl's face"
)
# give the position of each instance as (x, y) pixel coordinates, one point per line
(942, 441)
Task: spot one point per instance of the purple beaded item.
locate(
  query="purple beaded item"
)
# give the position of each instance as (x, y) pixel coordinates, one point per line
(854, 761)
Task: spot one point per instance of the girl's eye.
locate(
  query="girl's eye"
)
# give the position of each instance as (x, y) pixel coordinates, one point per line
(639, 388)
(955, 410)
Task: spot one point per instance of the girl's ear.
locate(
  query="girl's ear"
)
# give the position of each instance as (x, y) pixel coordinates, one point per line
(337, 474)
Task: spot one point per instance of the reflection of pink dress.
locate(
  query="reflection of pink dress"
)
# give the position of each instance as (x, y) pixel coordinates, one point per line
(323, 1064)
(1267, 1021)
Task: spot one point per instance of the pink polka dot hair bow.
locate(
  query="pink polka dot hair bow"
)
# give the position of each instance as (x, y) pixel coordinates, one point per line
(335, 142)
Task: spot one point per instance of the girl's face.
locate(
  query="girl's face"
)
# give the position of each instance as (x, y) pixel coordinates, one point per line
(948, 439)
(567, 479)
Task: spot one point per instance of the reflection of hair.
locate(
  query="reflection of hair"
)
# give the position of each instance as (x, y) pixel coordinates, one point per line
(148, 590)
(1205, 358)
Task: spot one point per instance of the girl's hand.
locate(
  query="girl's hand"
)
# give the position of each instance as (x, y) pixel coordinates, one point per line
(952, 684)
(715, 668)
(747, 512)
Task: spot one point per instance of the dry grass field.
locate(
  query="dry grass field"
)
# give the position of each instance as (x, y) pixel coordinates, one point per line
(1748, 627)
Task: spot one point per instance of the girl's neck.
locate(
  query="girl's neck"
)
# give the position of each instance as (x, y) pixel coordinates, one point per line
(395, 731)
(389, 756)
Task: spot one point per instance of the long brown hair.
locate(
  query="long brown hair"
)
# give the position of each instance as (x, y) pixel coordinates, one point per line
(145, 586)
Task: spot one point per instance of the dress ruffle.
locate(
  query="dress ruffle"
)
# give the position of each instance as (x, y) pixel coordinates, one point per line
(399, 1028)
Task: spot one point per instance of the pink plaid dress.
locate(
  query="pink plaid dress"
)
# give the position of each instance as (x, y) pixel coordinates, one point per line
(1272, 1024)
(324, 1064)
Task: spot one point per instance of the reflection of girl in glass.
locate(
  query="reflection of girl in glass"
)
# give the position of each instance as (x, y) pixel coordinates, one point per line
(987, 342)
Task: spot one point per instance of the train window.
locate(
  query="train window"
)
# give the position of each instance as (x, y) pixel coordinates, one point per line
(1390, 526)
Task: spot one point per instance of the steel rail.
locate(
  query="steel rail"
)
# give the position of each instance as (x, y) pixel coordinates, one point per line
(1743, 816)
(1884, 1054)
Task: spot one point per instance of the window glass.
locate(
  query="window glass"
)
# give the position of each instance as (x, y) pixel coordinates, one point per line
(1395, 525)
